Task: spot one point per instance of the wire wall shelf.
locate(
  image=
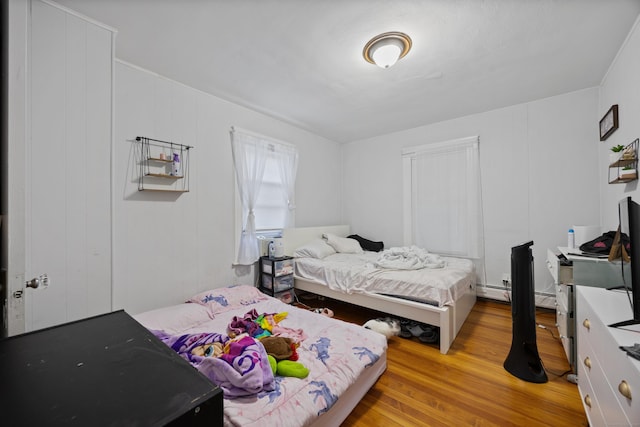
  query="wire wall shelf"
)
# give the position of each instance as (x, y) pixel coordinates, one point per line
(624, 168)
(164, 166)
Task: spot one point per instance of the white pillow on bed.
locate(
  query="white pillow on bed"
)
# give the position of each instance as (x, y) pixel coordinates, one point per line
(343, 244)
(219, 300)
(314, 249)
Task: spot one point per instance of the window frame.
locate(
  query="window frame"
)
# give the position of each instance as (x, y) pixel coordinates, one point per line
(409, 171)
(240, 216)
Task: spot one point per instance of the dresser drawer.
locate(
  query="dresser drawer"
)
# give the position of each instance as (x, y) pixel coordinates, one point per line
(621, 376)
(614, 377)
(277, 267)
(560, 273)
(277, 284)
(561, 322)
(589, 401)
(562, 297)
(601, 394)
(566, 337)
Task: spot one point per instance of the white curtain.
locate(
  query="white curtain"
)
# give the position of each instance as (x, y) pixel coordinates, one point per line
(445, 201)
(287, 159)
(249, 157)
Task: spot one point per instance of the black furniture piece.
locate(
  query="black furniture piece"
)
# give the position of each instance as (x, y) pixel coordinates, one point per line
(107, 370)
(276, 277)
(629, 215)
(523, 360)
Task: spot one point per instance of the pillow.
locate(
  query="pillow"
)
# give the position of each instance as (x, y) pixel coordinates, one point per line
(343, 244)
(174, 319)
(366, 244)
(224, 299)
(314, 249)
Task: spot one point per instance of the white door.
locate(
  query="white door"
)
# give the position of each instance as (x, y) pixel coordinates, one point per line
(68, 170)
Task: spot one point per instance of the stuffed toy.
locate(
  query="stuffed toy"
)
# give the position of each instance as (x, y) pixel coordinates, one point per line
(288, 368)
(385, 325)
(280, 348)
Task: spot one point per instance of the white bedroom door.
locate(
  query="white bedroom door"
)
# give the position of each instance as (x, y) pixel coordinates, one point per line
(68, 173)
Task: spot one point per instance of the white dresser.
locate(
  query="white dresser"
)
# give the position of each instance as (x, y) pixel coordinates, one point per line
(565, 304)
(597, 272)
(609, 379)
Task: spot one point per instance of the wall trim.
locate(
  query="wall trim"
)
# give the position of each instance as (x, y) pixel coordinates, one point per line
(499, 293)
(623, 46)
(79, 15)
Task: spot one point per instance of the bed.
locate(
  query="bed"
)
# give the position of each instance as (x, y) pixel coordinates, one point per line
(344, 360)
(446, 307)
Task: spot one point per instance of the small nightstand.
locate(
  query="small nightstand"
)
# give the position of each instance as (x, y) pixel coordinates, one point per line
(276, 277)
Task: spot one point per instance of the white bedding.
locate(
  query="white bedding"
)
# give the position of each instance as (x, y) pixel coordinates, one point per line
(356, 273)
(337, 354)
(408, 258)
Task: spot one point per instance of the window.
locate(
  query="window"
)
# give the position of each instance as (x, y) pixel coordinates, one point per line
(442, 198)
(265, 183)
(271, 209)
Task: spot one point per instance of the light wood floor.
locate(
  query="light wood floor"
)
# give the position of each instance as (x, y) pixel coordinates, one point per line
(469, 386)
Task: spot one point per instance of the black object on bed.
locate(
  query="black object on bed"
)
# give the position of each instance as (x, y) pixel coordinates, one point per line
(366, 244)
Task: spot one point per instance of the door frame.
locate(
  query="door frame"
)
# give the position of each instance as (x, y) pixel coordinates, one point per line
(16, 228)
(14, 223)
(4, 137)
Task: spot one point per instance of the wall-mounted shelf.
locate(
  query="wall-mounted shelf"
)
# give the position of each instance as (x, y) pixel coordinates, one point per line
(164, 175)
(165, 191)
(164, 166)
(625, 169)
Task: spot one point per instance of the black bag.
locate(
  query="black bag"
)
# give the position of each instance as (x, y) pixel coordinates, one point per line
(602, 245)
(368, 245)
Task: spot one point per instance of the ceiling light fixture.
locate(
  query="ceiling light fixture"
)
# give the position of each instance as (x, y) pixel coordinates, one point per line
(386, 49)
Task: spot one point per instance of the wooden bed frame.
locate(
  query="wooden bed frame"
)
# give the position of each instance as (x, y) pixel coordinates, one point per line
(449, 318)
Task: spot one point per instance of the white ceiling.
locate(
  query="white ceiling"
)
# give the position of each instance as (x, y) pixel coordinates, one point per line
(301, 60)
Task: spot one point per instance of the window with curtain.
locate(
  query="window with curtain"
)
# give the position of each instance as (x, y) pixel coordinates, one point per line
(442, 198)
(270, 210)
(265, 182)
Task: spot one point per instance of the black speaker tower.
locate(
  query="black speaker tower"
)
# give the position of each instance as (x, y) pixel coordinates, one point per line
(523, 360)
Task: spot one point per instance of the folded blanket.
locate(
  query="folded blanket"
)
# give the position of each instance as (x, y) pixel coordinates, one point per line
(408, 258)
(242, 370)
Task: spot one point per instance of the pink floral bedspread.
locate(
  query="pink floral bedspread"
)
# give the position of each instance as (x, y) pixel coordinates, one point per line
(335, 352)
(243, 371)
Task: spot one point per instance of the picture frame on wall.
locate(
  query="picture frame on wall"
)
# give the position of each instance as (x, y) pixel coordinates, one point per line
(609, 123)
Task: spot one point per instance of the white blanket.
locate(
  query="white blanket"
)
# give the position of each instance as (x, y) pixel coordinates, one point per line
(408, 258)
(356, 273)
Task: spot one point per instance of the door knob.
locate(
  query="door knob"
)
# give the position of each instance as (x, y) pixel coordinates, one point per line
(36, 282)
(33, 283)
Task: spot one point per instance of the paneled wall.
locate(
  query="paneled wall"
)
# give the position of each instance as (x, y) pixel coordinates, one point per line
(538, 169)
(68, 173)
(620, 86)
(168, 247)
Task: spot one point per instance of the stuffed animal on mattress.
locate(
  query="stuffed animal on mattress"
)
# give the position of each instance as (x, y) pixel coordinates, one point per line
(283, 357)
(384, 325)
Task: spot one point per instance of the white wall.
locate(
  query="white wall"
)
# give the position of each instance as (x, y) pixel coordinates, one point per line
(166, 247)
(542, 170)
(68, 226)
(537, 164)
(620, 86)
